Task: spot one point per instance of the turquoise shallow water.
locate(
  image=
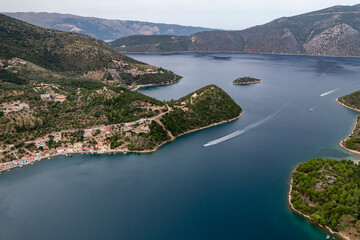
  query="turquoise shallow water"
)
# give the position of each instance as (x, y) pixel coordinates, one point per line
(236, 189)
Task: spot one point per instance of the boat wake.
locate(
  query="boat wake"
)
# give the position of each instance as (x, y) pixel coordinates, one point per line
(239, 132)
(329, 92)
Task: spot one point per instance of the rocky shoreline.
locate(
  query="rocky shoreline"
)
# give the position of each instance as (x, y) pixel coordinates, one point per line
(137, 87)
(338, 234)
(342, 142)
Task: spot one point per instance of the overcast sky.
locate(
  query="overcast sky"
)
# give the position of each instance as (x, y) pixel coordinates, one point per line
(224, 14)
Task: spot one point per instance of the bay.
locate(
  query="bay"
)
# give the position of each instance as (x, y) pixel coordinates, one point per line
(236, 189)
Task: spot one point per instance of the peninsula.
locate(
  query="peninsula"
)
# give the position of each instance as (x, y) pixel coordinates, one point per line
(64, 93)
(352, 142)
(246, 81)
(327, 193)
(51, 119)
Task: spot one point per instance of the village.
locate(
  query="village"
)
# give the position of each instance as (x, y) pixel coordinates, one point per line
(95, 140)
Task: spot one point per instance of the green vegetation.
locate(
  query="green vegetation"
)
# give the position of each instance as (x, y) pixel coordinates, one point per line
(89, 103)
(158, 133)
(115, 141)
(51, 49)
(211, 105)
(157, 136)
(157, 43)
(57, 82)
(352, 101)
(246, 80)
(70, 55)
(163, 77)
(329, 192)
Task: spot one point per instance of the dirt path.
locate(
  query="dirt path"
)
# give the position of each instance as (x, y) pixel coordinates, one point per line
(169, 133)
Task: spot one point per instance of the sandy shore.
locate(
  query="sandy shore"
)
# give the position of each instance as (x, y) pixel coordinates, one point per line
(341, 143)
(340, 235)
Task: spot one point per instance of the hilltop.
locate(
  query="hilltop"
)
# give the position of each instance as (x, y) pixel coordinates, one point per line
(102, 29)
(329, 32)
(73, 55)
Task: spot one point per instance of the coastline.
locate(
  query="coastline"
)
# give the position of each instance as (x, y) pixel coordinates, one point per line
(341, 143)
(355, 109)
(338, 234)
(154, 84)
(110, 151)
(212, 125)
(239, 52)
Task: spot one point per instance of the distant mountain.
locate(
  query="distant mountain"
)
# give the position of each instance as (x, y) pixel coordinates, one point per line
(75, 55)
(102, 29)
(333, 31)
(61, 83)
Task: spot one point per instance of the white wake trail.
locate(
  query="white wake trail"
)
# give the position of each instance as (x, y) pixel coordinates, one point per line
(329, 92)
(237, 133)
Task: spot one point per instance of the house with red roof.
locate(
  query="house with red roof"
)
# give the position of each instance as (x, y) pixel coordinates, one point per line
(60, 98)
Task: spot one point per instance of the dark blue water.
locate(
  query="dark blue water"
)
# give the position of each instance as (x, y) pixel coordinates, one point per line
(236, 189)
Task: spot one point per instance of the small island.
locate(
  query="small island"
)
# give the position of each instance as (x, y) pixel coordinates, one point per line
(327, 192)
(246, 81)
(352, 101)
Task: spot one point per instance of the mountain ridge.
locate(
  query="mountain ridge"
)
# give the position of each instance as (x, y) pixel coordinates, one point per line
(332, 31)
(99, 28)
(75, 55)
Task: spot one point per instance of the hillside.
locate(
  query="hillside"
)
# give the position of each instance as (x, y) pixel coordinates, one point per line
(59, 116)
(328, 192)
(206, 106)
(75, 55)
(352, 101)
(102, 29)
(330, 32)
